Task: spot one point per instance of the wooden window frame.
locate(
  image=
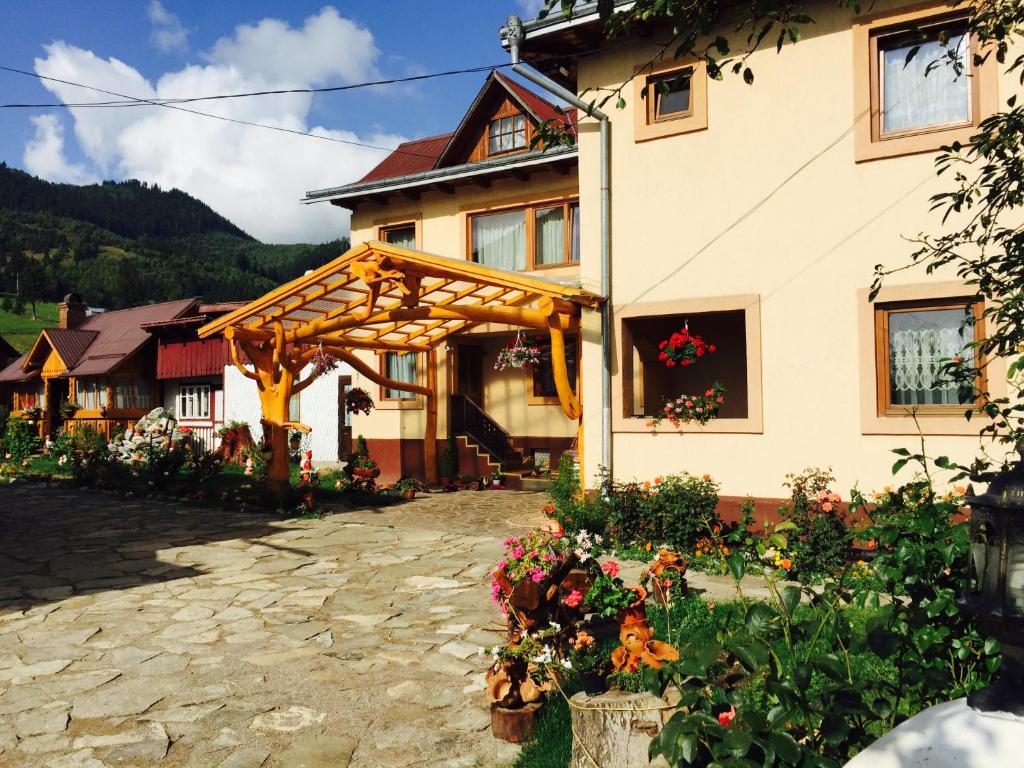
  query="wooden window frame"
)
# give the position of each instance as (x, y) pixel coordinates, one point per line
(532, 398)
(408, 399)
(380, 234)
(530, 214)
(882, 311)
(513, 150)
(209, 400)
(647, 125)
(868, 31)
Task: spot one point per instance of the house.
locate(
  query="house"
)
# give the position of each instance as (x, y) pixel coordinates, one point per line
(8, 354)
(754, 215)
(482, 194)
(102, 363)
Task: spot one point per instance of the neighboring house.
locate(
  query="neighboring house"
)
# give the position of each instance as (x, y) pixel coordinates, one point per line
(756, 214)
(190, 371)
(484, 194)
(104, 363)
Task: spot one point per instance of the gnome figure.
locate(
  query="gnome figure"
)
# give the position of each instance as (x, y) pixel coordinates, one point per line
(307, 465)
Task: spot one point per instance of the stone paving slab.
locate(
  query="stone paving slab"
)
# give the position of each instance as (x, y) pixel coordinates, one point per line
(141, 632)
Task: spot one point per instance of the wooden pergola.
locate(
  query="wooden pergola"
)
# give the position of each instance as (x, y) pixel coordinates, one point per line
(384, 298)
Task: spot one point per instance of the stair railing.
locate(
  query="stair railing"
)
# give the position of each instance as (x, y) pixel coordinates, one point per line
(471, 420)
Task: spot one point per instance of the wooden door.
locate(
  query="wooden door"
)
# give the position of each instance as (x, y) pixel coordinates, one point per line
(469, 372)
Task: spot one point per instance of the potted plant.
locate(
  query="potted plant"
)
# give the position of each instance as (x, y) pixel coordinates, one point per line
(407, 487)
(33, 413)
(586, 661)
(683, 348)
(515, 688)
(294, 439)
(363, 466)
(497, 479)
(69, 408)
(448, 467)
(358, 400)
(516, 354)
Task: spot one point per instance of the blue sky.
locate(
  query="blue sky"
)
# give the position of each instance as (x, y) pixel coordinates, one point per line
(186, 47)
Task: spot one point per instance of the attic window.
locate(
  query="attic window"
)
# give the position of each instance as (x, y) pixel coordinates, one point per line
(506, 134)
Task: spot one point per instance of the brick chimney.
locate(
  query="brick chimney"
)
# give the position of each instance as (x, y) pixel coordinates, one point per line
(72, 311)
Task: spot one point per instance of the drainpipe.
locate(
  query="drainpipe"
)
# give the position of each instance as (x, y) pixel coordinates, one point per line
(515, 36)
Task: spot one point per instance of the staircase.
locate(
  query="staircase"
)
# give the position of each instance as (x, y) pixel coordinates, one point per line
(491, 441)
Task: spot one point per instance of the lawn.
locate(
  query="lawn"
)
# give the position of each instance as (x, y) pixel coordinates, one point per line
(21, 330)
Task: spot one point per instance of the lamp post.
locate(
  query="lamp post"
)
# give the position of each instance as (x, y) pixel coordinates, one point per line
(997, 558)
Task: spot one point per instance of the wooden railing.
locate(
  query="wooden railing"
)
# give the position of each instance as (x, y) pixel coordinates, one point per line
(205, 438)
(468, 418)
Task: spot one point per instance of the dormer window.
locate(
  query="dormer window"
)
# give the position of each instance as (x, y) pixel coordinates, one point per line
(506, 134)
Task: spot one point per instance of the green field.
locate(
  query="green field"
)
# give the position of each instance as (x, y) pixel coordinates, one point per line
(22, 330)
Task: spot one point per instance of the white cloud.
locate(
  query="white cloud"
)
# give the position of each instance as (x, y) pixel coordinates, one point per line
(253, 176)
(44, 154)
(168, 33)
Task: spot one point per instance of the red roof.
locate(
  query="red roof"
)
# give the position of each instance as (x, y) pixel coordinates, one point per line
(70, 343)
(422, 155)
(409, 157)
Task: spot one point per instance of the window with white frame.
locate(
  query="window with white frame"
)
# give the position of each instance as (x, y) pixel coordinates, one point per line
(193, 401)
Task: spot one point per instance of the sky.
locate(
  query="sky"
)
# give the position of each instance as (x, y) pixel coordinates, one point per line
(177, 48)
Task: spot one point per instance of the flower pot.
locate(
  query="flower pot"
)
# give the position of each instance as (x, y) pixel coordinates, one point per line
(409, 495)
(514, 725)
(295, 444)
(474, 486)
(593, 683)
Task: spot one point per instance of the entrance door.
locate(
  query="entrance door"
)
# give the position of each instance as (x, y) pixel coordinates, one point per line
(344, 419)
(469, 372)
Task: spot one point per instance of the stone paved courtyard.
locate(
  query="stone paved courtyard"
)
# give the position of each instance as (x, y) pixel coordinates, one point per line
(140, 632)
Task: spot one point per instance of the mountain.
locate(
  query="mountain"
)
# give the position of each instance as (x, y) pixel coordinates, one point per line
(124, 243)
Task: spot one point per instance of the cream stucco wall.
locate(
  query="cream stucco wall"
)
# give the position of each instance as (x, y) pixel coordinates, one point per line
(768, 201)
(441, 224)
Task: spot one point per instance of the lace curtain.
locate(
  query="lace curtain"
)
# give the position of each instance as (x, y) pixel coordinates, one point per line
(914, 97)
(400, 368)
(550, 236)
(919, 344)
(499, 240)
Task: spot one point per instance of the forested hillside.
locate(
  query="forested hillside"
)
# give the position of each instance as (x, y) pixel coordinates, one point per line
(125, 243)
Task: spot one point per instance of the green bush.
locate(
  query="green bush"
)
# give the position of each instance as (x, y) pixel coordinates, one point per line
(676, 510)
(573, 509)
(20, 439)
(160, 466)
(821, 542)
(448, 466)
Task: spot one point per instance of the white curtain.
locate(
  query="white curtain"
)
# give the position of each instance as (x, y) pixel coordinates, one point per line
(499, 240)
(550, 235)
(919, 344)
(913, 99)
(404, 237)
(400, 368)
(574, 211)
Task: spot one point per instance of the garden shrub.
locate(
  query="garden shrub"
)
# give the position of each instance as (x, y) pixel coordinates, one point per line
(676, 510)
(160, 466)
(20, 439)
(821, 543)
(4, 414)
(205, 466)
(573, 509)
(812, 676)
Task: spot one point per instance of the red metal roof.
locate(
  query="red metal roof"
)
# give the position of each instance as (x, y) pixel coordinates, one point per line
(539, 106)
(70, 343)
(13, 372)
(409, 157)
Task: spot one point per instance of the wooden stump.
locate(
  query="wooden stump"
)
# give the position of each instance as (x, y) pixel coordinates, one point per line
(514, 725)
(614, 729)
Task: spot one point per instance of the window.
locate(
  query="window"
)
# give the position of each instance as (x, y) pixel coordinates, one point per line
(913, 341)
(91, 394)
(403, 235)
(933, 99)
(132, 394)
(668, 96)
(295, 407)
(926, 92)
(544, 235)
(399, 367)
(506, 134)
(669, 99)
(544, 374)
(650, 382)
(193, 401)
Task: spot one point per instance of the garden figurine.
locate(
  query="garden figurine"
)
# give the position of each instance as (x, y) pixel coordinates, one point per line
(248, 465)
(307, 466)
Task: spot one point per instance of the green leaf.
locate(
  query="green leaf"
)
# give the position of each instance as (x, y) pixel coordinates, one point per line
(791, 599)
(686, 749)
(901, 451)
(621, 103)
(882, 642)
(748, 76)
(760, 618)
(899, 465)
(786, 525)
(834, 729)
(785, 747)
(737, 565)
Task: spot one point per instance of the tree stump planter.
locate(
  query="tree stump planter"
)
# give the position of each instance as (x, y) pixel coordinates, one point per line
(616, 729)
(514, 725)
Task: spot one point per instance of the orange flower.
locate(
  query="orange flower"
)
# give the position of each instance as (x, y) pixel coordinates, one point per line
(648, 547)
(647, 484)
(786, 563)
(960, 490)
(725, 550)
(659, 480)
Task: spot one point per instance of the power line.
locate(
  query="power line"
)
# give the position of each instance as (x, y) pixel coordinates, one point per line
(131, 102)
(216, 117)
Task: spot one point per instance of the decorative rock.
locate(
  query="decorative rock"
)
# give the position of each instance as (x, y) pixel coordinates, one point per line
(615, 728)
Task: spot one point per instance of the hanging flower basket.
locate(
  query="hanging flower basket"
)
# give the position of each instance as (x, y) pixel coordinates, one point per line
(683, 348)
(323, 362)
(516, 354)
(692, 408)
(358, 400)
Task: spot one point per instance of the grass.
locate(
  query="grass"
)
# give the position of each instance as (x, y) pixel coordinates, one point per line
(21, 330)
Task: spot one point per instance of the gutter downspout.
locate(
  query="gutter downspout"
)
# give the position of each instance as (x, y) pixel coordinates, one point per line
(515, 36)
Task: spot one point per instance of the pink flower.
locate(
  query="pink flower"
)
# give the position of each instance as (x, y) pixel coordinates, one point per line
(502, 565)
(517, 553)
(611, 568)
(827, 506)
(667, 583)
(574, 598)
(726, 718)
